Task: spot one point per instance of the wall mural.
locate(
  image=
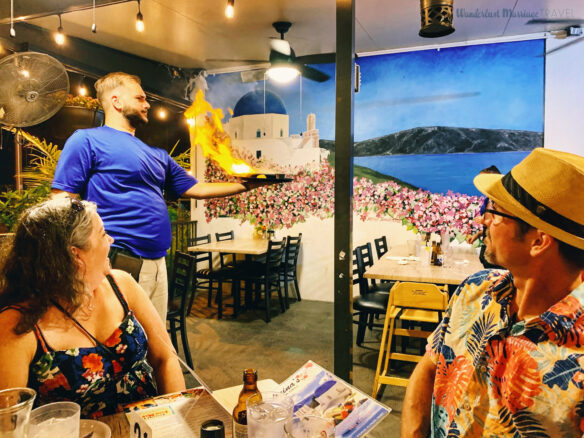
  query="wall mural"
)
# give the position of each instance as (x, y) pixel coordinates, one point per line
(426, 123)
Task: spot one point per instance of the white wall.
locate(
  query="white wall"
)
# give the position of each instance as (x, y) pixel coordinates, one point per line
(564, 130)
(564, 96)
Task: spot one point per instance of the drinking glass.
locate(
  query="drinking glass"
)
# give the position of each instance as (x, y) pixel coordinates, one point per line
(59, 419)
(267, 417)
(310, 426)
(15, 406)
(411, 247)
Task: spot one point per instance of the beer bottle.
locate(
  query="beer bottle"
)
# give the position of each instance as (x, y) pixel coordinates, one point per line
(439, 255)
(250, 389)
(433, 256)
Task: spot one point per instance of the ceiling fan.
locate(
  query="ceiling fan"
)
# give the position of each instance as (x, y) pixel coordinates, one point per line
(282, 56)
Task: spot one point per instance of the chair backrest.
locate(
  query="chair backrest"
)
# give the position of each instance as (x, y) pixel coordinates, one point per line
(419, 296)
(274, 257)
(202, 256)
(223, 257)
(292, 251)
(183, 233)
(359, 269)
(381, 246)
(182, 276)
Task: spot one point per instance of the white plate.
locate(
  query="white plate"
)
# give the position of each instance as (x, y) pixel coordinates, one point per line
(99, 429)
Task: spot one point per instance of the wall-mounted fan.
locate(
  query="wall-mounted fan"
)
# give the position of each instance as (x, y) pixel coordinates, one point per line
(34, 87)
(281, 53)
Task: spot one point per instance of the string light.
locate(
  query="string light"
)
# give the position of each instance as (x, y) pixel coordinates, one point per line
(230, 9)
(93, 25)
(59, 35)
(139, 19)
(162, 114)
(12, 31)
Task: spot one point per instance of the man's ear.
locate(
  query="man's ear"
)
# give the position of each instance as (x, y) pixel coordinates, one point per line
(116, 102)
(540, 242)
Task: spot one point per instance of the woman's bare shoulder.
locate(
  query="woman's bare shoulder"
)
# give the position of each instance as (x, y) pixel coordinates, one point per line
(9, 319)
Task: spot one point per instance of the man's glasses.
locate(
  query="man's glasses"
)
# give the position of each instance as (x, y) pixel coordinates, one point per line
(496, 216)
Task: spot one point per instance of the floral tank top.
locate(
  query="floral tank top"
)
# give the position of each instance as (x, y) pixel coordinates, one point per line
(100, 378)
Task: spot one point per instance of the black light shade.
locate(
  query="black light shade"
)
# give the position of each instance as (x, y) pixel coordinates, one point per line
(436, 18)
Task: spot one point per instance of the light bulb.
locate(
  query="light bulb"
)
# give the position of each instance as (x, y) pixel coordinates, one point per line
(162, 113)
(230, 10)
(59, 36)
(82, 90)
(12, 33)
(139, 22)
(282, 74)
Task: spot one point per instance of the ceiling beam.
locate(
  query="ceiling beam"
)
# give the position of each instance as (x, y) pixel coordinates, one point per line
(161, 81)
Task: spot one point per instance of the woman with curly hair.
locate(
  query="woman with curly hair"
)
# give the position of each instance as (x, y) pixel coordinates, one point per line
(70, 327)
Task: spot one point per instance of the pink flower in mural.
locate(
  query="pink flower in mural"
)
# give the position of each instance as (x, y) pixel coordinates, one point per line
(312, 194)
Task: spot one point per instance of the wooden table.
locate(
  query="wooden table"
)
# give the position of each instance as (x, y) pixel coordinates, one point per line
(457, 267)
(207, 408)
(235, 246)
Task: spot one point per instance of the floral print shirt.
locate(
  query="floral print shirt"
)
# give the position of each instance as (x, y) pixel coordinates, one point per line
(100, 378)
(499, 377)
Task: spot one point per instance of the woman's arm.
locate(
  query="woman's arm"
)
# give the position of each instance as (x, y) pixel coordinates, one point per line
(16, 351)
(169, 377)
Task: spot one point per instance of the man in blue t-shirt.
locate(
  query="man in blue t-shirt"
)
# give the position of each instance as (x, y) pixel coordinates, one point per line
(125, 177)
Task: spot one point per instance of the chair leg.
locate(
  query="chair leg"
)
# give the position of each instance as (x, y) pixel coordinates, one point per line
(361, 327)
(219, 299)
(173, 337)
(185, 341)
(236, 292)
(296, 286)
(267, 299)
(385, 347)
(286, 291)
(283, 305)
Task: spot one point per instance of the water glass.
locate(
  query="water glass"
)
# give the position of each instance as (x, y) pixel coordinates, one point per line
(311, 426)
(411, 247)
(267, 417)
(15, 407)
(59, 419)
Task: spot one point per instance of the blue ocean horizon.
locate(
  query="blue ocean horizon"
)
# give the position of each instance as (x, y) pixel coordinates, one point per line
(440, 173)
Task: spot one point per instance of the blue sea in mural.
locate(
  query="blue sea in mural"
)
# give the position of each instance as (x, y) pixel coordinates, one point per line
(441, 172)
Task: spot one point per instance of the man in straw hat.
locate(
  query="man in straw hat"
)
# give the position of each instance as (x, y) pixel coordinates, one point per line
(508, 357)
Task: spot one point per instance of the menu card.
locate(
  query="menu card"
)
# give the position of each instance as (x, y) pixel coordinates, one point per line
(316, 391)
(175, 415)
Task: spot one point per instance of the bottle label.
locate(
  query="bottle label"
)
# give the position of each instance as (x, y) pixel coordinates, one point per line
(239, 430)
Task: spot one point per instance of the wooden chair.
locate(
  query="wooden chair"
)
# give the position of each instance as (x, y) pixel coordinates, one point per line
(414, 303)
(381, 246)
(372, 299)
(289, 269)
(179, 294)
(263, 274)
(226, 259)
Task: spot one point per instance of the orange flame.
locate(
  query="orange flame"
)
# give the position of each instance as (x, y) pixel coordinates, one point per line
(206, 130)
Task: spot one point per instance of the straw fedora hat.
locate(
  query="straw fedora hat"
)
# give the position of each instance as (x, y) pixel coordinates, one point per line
(546, 190)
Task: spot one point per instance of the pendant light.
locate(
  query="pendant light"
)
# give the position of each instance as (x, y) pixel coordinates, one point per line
(93, 25)
(12, 31)
(59, 35)
(139, 19)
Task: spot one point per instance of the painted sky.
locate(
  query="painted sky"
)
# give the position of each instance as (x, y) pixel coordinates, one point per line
(493, 86)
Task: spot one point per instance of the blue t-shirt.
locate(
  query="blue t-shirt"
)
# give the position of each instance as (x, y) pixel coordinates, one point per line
(125, 178)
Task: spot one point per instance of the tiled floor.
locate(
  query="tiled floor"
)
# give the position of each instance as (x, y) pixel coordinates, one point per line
(222, 349)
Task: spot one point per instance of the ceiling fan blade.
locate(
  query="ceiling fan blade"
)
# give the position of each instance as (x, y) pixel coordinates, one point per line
(564, 21)
(318, 58)
(280, 46)
(313, 74)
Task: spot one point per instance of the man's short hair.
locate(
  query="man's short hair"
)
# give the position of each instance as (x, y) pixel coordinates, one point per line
(112, 81)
